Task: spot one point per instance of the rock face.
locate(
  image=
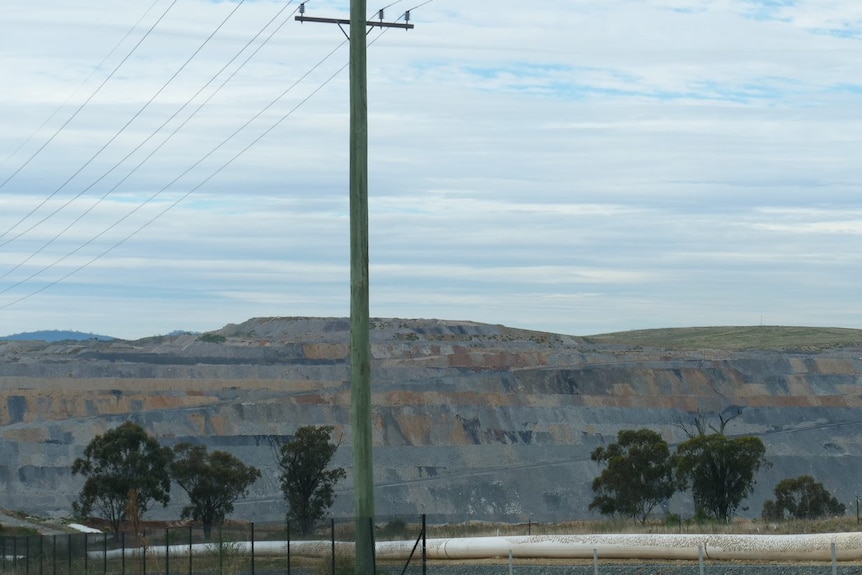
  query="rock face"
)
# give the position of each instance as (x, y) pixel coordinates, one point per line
(471, 421)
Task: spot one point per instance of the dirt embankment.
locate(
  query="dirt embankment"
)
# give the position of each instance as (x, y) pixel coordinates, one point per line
(470, 421)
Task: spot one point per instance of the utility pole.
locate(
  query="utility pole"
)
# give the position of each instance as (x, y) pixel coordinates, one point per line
(360, 348)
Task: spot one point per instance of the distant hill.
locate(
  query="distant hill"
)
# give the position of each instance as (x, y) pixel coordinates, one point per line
(55, 335)
(736, 338)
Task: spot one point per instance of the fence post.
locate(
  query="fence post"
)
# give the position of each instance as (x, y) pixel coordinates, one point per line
(15, 554)
(332, 537)
(86, 558)
(595, 561)
(27, 556)
(104, 554)
(424, 549)
(167, 551)
(834, 559)
(41, 555)
(69, 553)
(143, 545)
(252, 548)
(190, 550)
(287, 521)
(511, 563)
(123, 553)
(373, 545)
(700, 558)
(54, 555)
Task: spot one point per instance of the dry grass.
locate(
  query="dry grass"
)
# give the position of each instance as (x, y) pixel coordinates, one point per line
(736, 338)
(740, 526)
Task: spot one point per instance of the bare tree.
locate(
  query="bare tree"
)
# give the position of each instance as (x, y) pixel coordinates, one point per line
(700, 423)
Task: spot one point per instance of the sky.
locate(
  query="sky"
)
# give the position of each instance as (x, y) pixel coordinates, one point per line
(570, 166)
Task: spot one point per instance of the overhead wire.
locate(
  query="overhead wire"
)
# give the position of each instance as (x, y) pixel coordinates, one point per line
(72, 117)
(418, 6)
(404, 15)
(379, 10)
(157, 130)
(182, 197)
(135, 116)
(175, 180)
(81, 85)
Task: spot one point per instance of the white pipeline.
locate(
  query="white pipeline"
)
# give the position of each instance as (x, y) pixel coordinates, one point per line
(813, 547)
(662, 546)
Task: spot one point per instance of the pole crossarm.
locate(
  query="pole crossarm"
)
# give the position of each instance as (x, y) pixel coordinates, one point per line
(340, 22)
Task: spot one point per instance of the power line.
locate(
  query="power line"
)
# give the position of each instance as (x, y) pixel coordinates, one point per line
(390, 5)
(132, 119)
(407, 12)
(342, 21)
(196, 187)
(175, 180)
(160, 145)
(81, 85)
(72, 117)
(381, 10)
(404, 15)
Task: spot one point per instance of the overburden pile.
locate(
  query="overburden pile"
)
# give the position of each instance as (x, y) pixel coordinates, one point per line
(471, 421)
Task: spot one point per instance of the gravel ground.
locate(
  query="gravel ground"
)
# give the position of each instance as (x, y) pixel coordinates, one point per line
(12, 521)
(639, 569)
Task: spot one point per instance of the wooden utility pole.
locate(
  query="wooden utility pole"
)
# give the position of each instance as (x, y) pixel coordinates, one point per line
(360, 347)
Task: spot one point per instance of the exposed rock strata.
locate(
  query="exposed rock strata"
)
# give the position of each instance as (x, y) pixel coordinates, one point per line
(471, 421)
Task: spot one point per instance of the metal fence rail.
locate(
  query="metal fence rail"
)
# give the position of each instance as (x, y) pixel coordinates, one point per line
(237, 548)
(230, 549)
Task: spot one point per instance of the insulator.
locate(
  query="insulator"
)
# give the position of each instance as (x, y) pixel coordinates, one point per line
(302, 9)
(380, 14)
(407, 17)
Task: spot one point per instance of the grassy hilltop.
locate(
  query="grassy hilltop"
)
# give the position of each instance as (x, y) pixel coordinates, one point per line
(765, 337)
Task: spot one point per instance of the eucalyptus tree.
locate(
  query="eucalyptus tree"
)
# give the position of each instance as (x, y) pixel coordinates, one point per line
(213, 481)
(638, 475)
(720, 471)
(306, 480)
(126, 471)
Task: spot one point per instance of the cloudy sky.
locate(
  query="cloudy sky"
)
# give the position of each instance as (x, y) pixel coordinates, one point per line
(563, 165)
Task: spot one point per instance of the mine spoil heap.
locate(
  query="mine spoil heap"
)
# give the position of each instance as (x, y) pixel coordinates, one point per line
(471, 421)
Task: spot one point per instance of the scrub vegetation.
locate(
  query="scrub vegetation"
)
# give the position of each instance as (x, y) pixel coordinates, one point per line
(639, 473)
(764, 337)
(127, 471)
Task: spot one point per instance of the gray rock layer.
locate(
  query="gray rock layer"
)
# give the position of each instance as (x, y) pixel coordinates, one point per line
(470, 421)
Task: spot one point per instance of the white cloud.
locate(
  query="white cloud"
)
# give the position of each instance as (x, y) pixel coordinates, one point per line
(578, 167)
